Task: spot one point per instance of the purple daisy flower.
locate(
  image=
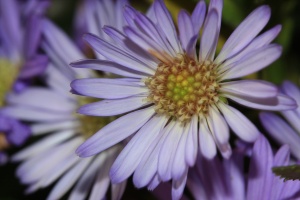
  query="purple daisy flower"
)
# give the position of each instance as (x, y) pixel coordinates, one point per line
(231, 183)
(285, 131)
(20, 59)
(175, 101)
(50, 110)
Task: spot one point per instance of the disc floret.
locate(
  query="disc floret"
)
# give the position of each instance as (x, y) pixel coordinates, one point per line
(184, 87)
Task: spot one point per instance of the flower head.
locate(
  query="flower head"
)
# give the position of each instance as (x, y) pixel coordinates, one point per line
(51, 111)
(20, 59)
(229, 179)
(175, 101)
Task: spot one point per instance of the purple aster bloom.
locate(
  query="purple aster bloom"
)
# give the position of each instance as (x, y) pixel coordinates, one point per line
(175, 101)
(287, 130)
(19, 57)
(50, 110)
(231, 183)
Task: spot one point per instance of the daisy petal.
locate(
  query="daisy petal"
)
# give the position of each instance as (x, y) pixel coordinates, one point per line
(186, 29)
(220, 131)
(198, 16)
(115, 132)
(113, 107)
(250, 88)
(42, 98)
(209, 37)
(239, 123)
(129, 158)
(106, 88)
(168, 151)
(165, 22)
(275, 126)
(68, 180)
(253, 62)
(192, 142)
(280, 102)
(115, 54)
(206, 142)
(245, 33)
(42, 145)
(108, 66)
(262, 40)
(37, 115)
(178, 186)
(179, 165)
(147, 168)
(260, 164)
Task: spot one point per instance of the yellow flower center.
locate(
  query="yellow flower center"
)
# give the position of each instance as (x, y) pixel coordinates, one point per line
(184, 87)
(89, 125)
(8, 74)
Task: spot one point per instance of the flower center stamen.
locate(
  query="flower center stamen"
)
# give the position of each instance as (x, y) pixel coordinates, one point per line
(8, 75)
(184, 88)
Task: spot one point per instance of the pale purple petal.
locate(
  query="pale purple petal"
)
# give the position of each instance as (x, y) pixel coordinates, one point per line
(165, 22)
(293, 91)
(154, 183)
(168, 152)
(280, 102)
(281, 158)
(42, 98)
(116, 54)
(129, 158)
(31, 114)
(218, 6)
(179, 166)
(68, 180)
(107, 88)
(186, 29)
(117, 190)
(198, 16)
(33, 66)
(149, 31)
(115, 132)
(209, 37)
(260, 41)
(241, 125)
(281, 131)
(113, 107)
(293, 118)
(206, 141)
(129, 46)
(108, 66)
(94, 178)
(42, 145)
(32, 36)
(220, 131)
(192, 142)
(245, 33)
(260, 168)
(144, 41)
(250, 88)
(11, 22)
(253, 62)
(178, 186)
(42, 128)
(235, 177)
(147, 168)
(60, 42)
(102, 181)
